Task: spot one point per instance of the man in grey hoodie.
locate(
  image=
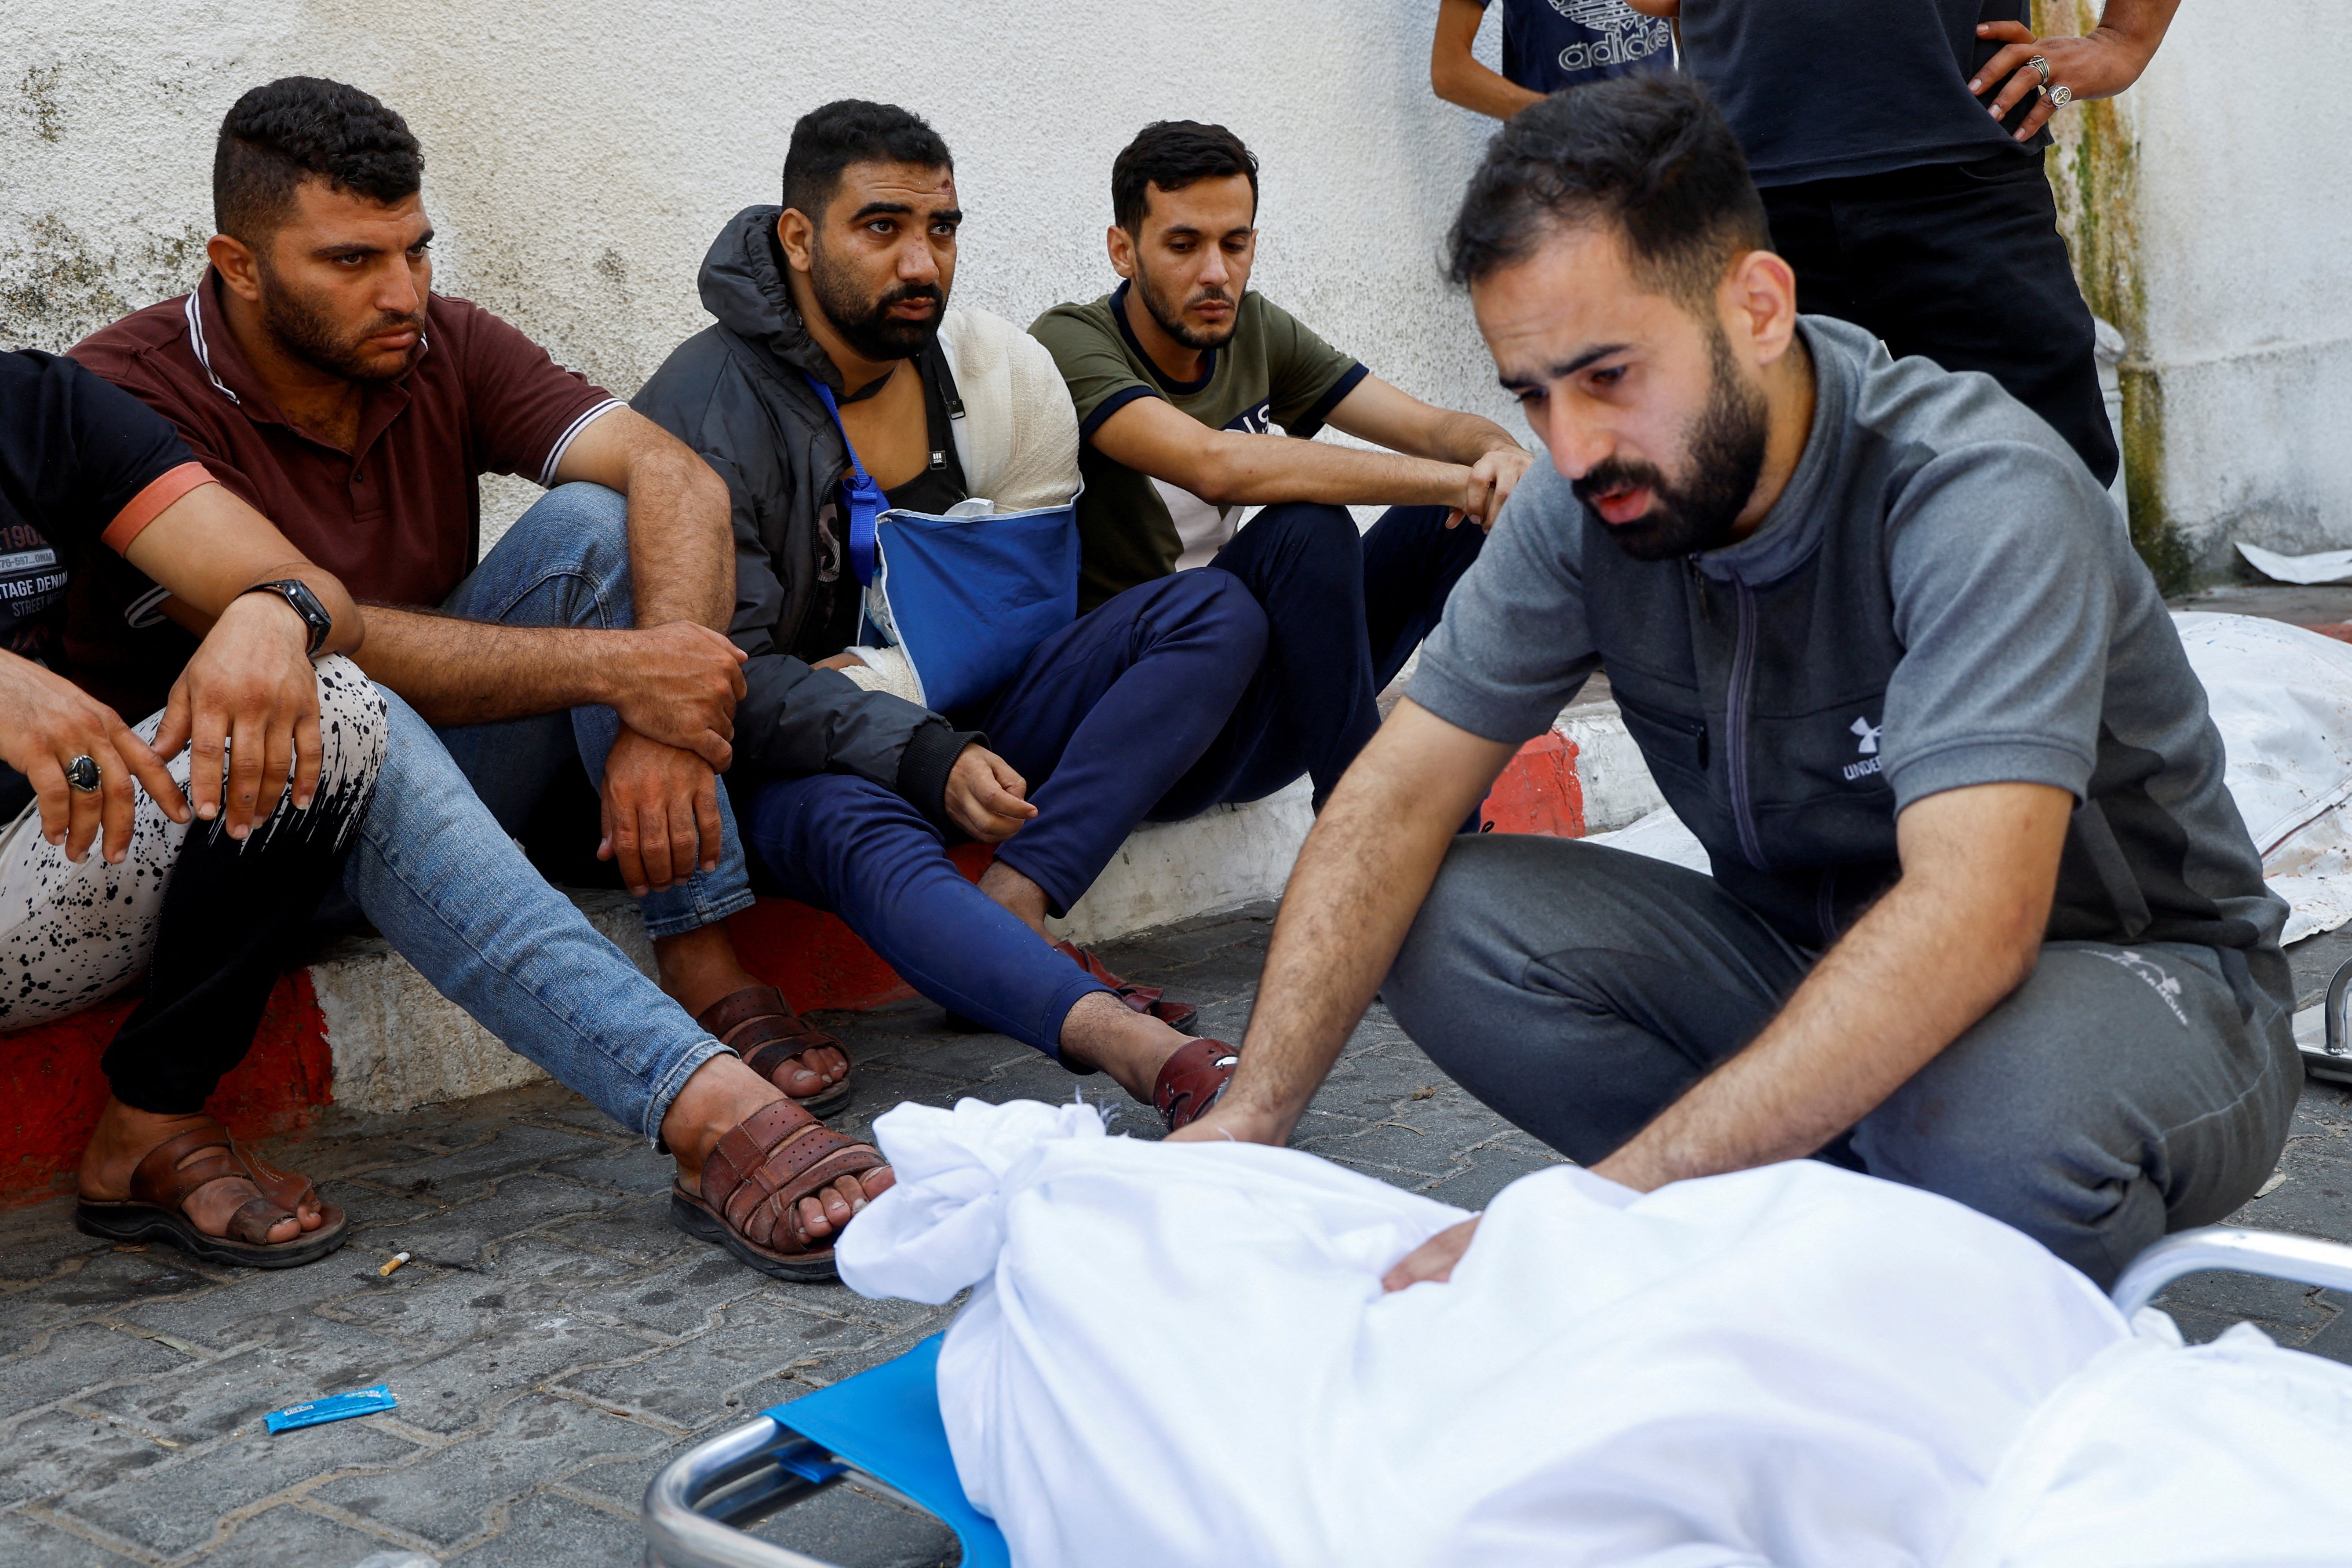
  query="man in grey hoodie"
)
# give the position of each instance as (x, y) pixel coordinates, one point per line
(848, 791)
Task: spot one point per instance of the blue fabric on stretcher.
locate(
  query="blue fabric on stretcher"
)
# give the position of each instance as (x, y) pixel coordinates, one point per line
(887, 1423)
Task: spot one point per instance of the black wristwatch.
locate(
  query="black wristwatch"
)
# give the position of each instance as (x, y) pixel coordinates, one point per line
(296, 593)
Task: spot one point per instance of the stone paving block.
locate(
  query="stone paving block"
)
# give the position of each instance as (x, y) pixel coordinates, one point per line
(963, 1060)
(172, 1508)
(838, 1301)
(854, 1529)
(29, 1543)
(261, 1304)
(546, 1529)
(78, 1358)
(373, 1210)
(312, 1357)
(634, 1169)
(673, 1302)
(622, 1483)
(503, 1151)
(105, 1280)
(455, 1237)
(61, 1452)
(448, 1497)
(2286, 1311)
(293, 1537)
(1491, 1170)
(521, 1275)
(334, 1150)
(639, 1232)
(2333, 1338)
(1409, 1159)
(745, 1354)
(458, 1389)
(37, 1242)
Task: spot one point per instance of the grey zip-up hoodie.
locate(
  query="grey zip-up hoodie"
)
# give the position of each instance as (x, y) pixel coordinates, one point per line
(737, 392)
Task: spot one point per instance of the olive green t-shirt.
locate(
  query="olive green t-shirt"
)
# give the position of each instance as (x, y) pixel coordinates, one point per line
(1273, 371)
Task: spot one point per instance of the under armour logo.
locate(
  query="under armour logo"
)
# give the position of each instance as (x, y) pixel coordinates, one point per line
(1869, 733)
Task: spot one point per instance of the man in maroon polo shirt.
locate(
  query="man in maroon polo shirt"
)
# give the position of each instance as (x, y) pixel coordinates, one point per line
(316, 375)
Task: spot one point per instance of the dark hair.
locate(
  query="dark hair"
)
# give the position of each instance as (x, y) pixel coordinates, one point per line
(1648, 155)
(1171, 154)
(851, 130)
(300, 128)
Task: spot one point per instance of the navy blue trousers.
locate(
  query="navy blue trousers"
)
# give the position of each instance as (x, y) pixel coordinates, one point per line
(1103, 716)
(1224, 684)
(1343, 612)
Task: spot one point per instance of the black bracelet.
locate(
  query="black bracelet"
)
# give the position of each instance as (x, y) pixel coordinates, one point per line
(296, 593)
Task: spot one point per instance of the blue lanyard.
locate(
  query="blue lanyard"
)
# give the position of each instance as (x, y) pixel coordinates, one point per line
(864, 496)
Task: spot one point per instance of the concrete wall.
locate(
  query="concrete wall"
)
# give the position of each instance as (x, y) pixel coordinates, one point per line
(580, 159)
(2210, 212)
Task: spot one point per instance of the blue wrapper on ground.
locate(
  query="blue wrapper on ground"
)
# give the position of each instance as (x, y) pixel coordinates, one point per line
(334, 1407)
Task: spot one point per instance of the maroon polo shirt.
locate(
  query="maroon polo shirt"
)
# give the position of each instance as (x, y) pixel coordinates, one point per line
(398, 518)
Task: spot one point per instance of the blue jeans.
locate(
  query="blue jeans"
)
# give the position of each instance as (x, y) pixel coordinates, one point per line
(438, 873)
(565, 563)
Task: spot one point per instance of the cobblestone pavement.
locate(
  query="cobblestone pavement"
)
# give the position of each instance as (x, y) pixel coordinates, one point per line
(555, 1340)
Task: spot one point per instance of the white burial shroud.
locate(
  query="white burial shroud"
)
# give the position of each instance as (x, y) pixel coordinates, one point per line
(1180, 1353)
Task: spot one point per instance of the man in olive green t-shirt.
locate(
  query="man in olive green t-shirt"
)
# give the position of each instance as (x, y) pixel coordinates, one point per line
(1180, 379)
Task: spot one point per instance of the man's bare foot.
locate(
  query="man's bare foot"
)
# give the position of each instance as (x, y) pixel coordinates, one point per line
(124, 1137)
(1101, 1031)
(699, 969)
(721, 1096)
(1024, 899)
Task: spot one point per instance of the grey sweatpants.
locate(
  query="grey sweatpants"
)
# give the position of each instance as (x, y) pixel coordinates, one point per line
(2117, 1094)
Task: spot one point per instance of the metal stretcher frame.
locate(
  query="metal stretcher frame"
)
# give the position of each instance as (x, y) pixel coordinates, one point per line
(694, 1507)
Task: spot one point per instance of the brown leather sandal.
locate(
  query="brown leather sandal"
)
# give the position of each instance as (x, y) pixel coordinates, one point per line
(1193, 1081)
(162, 1185)
(758, 1025)
(1148, 1000)
(753, 1182)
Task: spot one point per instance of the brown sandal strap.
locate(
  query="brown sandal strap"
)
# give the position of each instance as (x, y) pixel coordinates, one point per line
(162, 1180)
(288, 1189)
(253, 1220)
(1193, 1081)
(760, 1171)
(736, 1008)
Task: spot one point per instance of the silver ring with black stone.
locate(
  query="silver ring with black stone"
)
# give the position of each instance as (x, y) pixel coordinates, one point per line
(82, 775)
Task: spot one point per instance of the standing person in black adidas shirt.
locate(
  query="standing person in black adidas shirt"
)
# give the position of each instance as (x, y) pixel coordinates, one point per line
(1898, 145)
(1548, 45)
(249, 785)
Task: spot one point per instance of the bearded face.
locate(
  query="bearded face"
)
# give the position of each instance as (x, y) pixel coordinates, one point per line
(305, 325)
(877, 323)
(1722, 452)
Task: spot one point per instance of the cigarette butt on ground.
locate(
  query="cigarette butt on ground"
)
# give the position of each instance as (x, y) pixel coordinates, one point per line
(397, 1259)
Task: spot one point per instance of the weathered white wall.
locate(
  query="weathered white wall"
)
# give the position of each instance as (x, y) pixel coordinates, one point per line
(578, 159)
(2245, 223)
(2211, 211)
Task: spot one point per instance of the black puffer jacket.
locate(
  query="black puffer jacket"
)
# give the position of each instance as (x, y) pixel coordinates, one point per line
(737, 394)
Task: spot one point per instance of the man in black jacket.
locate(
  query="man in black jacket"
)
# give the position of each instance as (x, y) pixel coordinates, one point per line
(847, 793)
